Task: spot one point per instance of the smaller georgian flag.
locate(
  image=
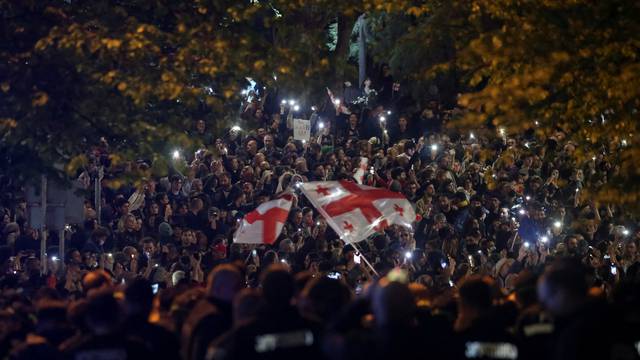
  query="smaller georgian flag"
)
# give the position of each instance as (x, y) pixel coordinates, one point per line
(264, 224)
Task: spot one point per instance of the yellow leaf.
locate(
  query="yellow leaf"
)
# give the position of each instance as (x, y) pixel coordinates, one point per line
(40, 99)
(122, 86)
(258, 65)
(175, 91)
(497, 43)
(113, 43)
(8, 123)
(75, 164)
(181, 28)
(560, 56)
(41, 44)
(415, 11)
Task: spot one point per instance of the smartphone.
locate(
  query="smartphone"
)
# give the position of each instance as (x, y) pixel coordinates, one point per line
(254, 252)
(155, 288)
(334, 275)
(356, 259)
(614, 270)
(359, 289)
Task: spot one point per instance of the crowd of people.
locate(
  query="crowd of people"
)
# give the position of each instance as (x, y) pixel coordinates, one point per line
(507, 260)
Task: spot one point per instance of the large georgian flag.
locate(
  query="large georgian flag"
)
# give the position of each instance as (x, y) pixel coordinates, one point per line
(264, 224)
(356, 211)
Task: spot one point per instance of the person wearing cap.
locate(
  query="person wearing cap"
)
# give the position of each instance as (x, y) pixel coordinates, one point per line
(462, 213)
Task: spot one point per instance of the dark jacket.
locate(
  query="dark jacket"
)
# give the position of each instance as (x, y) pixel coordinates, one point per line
(274, 335)
(209, 319)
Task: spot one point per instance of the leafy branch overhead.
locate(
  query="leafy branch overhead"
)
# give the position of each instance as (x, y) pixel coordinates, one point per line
(140, 72)
(540, 66)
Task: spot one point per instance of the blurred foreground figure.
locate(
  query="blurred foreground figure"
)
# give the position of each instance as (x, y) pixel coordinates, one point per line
(105, 340)
(277, 332)
(585, 327)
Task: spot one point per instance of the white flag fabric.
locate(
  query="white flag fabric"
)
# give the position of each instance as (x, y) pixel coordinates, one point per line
(264, 224)
(356, 211)
(136, 200)
(362, 170)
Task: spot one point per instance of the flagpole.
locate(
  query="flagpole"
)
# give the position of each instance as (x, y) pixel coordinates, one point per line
(330, 221)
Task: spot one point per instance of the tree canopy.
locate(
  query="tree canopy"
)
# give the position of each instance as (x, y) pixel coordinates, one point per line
(538, 66)
(138, 73)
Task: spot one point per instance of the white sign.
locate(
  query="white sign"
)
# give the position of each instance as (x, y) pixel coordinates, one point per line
(301, 129)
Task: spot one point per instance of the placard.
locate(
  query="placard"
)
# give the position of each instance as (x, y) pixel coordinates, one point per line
(301, 129)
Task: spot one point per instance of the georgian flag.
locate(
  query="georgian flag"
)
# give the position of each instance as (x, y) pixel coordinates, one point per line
(357, 211)
(264, 224)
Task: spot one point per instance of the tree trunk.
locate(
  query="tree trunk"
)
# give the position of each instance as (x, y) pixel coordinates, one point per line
(339, 57)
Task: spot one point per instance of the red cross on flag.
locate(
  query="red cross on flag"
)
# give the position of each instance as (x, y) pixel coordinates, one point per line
(356, 211)
(264, 224)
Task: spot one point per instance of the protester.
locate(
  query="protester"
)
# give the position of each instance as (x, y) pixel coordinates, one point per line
(506, 259)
